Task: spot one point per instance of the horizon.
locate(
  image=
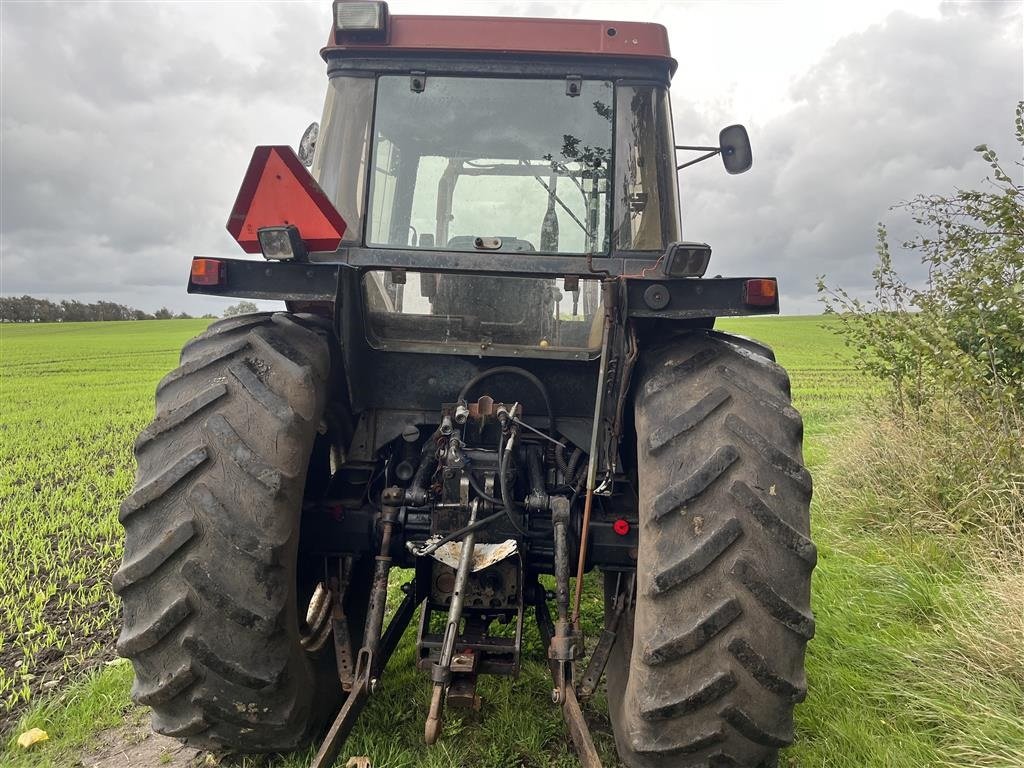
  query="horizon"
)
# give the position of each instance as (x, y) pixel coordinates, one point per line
(123, 148)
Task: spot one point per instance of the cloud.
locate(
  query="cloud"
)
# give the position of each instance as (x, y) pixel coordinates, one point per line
(887, 113)
(124, 142)
(126, 129)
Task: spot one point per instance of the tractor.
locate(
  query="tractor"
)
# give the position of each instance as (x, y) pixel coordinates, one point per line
(497, 371)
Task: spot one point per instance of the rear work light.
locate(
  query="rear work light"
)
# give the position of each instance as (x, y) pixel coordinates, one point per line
(364, 18)
(210, 272)
(687, 259)
(762, 292)
(282, 243)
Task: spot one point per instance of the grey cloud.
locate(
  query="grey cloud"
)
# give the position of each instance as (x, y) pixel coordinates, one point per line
(124, 143)
(887, 113)
(127, 128)
(998, 9)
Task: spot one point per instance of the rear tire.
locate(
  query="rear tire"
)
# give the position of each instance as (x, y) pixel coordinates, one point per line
(209, 583)
(710, 662)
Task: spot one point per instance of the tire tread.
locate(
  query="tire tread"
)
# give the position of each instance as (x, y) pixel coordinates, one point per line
(709, 664)
(212, 526)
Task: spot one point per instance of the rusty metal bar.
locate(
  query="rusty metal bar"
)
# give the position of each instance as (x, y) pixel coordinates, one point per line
(393, 634)
(391, 501)
(339, 624)
(599, 658)
(442, 673)
(578, 730)
(343, 723)
(368, 670)
(592, 465)
(562, 646)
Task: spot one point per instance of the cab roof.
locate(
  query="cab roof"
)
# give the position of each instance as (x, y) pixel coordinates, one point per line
(509, 35)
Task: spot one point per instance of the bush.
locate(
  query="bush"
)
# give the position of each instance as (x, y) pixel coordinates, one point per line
(946, 454)
(962, 334)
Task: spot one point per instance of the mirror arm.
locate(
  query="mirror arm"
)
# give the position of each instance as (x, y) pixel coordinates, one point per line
(711, 152)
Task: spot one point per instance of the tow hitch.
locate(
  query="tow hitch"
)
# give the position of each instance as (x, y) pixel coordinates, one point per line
(456, 657)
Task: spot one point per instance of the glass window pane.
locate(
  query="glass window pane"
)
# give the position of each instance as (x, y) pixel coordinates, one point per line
(646, 209)
(481, 157)
(339, 164)
(483, 312)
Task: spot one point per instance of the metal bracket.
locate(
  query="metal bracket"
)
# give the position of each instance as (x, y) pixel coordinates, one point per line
(339, 624)
(598, 661)
(369, 667)
(573, 85)
(599, 658)
(417, 81)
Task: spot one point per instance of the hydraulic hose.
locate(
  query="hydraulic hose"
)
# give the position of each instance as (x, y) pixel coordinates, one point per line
(535, 465)
(514, 371)
(569, 467)
(506, 493)
(561, 463)
(417, 492)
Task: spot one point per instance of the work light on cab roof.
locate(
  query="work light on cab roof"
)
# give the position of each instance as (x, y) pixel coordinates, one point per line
(359, 24)
(369, 19)
(498, 369)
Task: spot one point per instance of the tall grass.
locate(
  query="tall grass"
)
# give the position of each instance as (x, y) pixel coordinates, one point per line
(924, 590)
(942, 469)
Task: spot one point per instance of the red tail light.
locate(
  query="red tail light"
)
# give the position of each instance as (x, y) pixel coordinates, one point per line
(762, 292)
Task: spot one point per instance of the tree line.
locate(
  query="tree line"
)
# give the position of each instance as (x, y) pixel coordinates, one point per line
(29, 309)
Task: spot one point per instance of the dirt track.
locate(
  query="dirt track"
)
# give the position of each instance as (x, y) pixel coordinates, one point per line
(136, 746)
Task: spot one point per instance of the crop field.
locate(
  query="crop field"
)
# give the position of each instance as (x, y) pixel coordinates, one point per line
(896, 673)
(71, 397)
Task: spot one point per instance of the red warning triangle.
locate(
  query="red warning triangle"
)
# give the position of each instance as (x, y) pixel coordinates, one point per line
(278, 190)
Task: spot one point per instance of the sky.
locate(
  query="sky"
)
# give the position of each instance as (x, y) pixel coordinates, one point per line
(126, 128)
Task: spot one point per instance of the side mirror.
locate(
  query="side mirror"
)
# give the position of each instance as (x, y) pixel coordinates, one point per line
(734, 145)
(307, 145)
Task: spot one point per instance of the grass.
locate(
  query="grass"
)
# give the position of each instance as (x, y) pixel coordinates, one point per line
(97, 700)
(71, 398)
(916, 661)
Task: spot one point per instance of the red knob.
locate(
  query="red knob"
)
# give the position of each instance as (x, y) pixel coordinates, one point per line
(621, 527)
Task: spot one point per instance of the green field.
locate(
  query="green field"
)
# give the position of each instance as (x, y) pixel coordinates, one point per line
(898, 673)
(71, 397)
